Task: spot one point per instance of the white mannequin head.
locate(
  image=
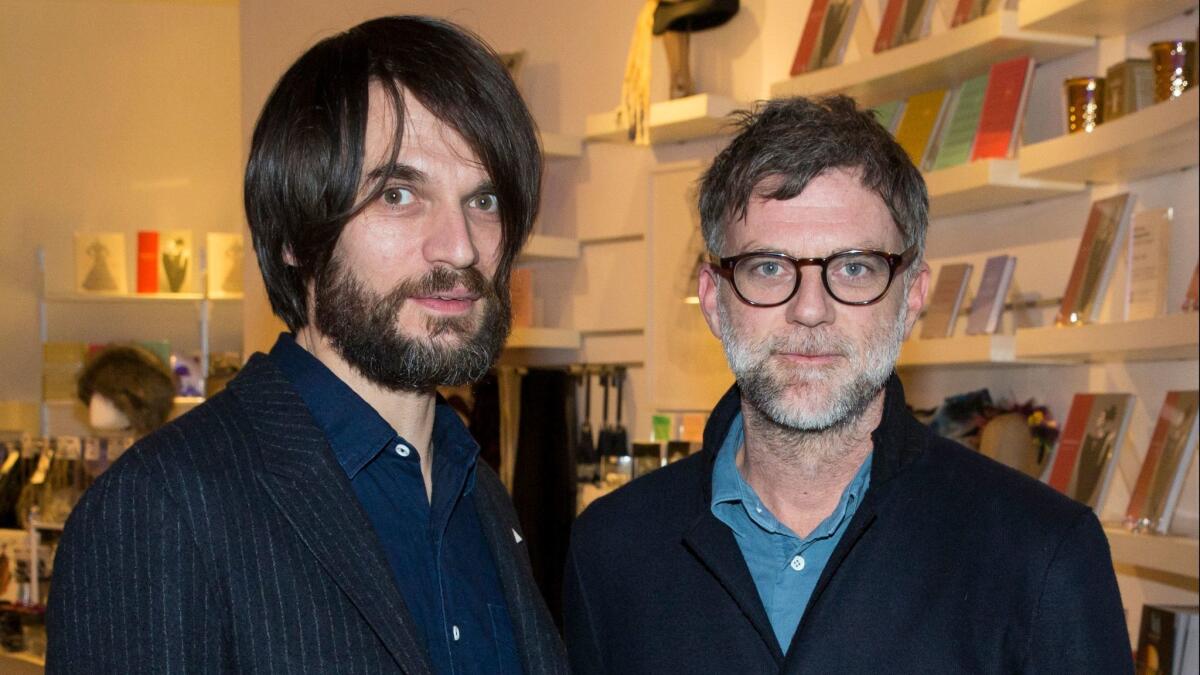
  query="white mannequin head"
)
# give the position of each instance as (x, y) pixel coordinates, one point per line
(103, 414)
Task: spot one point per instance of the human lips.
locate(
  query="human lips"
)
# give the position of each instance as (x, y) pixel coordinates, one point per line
(449, 302)
(810, 358)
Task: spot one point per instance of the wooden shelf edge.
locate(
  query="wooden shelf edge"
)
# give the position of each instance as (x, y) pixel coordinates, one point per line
(561, 146)
(989, 184)
(546, 248)
(1176, 555)
(965, 350)
(683, 119)
(1170, 337)
(1097, 17)
(543, 338)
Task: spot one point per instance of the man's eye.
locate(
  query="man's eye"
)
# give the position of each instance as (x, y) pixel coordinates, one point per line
(397, 196)
(854, 269)
(768, 269)
(485, 202)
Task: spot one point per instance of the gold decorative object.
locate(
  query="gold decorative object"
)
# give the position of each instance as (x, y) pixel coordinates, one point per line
(1085, 103)
(1174, 68)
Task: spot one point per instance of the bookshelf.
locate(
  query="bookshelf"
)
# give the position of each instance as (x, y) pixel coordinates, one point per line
(1174, 555)
(543, 338)
(1174, 336)
(989, 184)
(560, 146)
(1097, 17)
(941, 60)
(682, 119)
(1149, 142)
(967, 350)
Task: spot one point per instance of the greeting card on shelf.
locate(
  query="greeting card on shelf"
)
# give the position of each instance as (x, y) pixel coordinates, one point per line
(944, 304)
(176, 262)
(1161, 477)
(226, 254)
(1087, 453)
(1149, 258)
(100, 263)
(1094, 263)
(147, 261)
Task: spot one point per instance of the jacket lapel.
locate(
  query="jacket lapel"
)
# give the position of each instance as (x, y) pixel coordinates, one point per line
(312, 492)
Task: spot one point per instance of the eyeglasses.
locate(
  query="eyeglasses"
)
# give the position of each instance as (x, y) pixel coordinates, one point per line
(854, 277)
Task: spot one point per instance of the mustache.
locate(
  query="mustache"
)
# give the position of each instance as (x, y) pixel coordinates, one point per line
(444, 280)
(811, 343)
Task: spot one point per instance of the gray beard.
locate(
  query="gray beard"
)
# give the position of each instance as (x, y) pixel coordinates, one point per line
(765, 386)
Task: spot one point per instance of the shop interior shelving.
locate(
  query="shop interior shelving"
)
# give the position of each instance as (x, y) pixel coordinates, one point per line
(1158, 139)
(543, 338)
(541, 248)
(1097, 17)
(681, 119)
(941, 60)
(988, 184)
(1174, 336)
(1174, 555)
(561, 146)
(967, 350)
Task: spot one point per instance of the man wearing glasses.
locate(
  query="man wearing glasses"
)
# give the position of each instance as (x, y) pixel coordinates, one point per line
(822, 528)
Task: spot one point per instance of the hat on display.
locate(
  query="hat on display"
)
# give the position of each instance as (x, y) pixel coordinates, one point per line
(692, 15)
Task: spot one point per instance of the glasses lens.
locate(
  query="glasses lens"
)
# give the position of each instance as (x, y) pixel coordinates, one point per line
(764, 279)
(858, 277)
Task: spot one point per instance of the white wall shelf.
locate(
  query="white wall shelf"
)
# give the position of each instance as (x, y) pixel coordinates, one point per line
(1097, 17)
(1152, 141)
(682, 119)
(543, 338)
(542, 248)
(941, 60)
(967, 350)
(988, 184)
(1176, 555)
(123, 297)
(560, 146)
(1170, 337)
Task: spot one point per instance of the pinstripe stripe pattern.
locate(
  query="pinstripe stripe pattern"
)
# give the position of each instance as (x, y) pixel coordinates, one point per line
(231, 541)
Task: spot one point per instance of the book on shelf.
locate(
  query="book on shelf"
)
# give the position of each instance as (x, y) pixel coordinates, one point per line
(840, 17)
(100, 263)
(1149, 259)
(944, 304)
(1165, 466)
(1191, 299)
(988, 305)
(225, 256)
(1095, 260)
(957, 135)
(1000, 5)
(1128, 87)
(1087, 454)
(914, 22)
(809, 38)
(889, 114)
(1168, 640)
(1003, 109)
(888, 25)
(917, 127)
(147, 261)
(177, 268)
(967, 10)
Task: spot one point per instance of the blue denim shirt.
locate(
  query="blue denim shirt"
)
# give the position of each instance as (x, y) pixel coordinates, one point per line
(436, 548)
(785, 567)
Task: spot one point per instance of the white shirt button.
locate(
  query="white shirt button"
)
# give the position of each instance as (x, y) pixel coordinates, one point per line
(403, 450)
(455, 632)
(797, 563)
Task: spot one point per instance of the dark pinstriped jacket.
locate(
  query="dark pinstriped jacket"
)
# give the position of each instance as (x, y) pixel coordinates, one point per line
(231, 541)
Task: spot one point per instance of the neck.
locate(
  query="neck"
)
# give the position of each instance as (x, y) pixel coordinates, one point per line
(409, 413)
(801, 475)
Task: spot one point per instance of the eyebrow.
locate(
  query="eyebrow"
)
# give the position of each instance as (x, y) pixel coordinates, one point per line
(405, 172)
(862, 246)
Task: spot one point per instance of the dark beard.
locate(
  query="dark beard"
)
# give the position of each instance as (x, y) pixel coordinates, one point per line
(361, 326)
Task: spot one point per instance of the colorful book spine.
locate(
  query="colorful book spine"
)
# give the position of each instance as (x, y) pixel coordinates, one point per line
(147, 262)
(958, 134)
(921, 116)
(964, 11)
(1160, 479)
(808, 39)
(1095, 260)
(947, 298)
(993, 290)
(887, 26)
(1003, 109)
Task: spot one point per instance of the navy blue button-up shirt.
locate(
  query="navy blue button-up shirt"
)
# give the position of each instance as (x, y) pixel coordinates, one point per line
(436, 548)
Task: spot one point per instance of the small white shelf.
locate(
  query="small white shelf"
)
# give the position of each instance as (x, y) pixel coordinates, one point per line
(560, 146)
(545, 248)
(122, 297)
(682, 119)
(1097, 17)
(967, 350)
(941, 60)
(1170, 337)
(1176, 555)
(543, 338)
(988, 184)
(1158, 139)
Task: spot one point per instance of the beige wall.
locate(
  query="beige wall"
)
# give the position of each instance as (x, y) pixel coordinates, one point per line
(116, 116)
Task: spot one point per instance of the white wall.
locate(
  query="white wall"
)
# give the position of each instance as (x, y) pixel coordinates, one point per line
(117, 116)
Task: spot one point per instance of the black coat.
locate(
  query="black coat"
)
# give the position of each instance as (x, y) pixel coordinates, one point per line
(953, 563)
(231, 541)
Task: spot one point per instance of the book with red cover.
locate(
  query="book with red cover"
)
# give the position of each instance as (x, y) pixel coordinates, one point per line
(1161, 477)
(147, 261)
(1003, 109)
(1094, 262)
(1083, 463)
(888, 24)
(966, 10)
(808, 39)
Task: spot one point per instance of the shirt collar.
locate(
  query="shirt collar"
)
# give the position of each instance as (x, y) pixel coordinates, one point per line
(357, 432)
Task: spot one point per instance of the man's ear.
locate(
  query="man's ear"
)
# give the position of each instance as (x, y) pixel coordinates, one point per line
(708, 293)
(916, 298)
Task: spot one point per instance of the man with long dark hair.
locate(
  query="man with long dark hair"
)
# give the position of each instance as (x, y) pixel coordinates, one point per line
(326, 512)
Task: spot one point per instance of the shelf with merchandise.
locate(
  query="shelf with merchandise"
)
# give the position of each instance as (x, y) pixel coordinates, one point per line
(678, 120)
(1169, 337)
(1097, 17)
(71, 296)
(1156, 140)
(941, 60)
(541, 248)
(988, 184)
(967, 350)
(543, 338)
(560, 146)
(1174, 555)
